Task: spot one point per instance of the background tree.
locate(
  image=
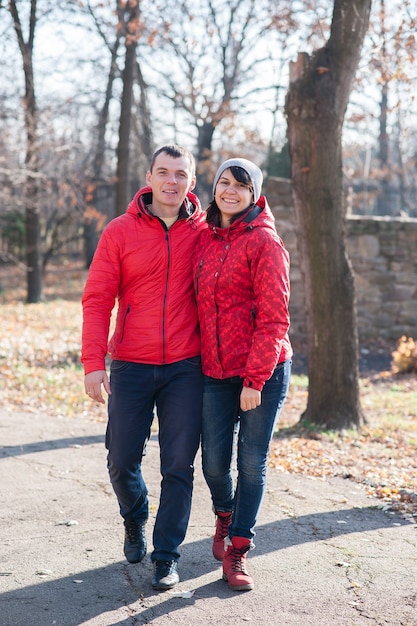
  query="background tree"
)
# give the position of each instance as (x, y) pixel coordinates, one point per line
(214, 76)
(143, 126)
(395, 48)
(32, 221)
(317, 98)
(129, 24)
(218, 67)
(382, 114)
(93, 218)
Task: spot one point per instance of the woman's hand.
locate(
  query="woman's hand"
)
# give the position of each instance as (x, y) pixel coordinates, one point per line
(249, 398)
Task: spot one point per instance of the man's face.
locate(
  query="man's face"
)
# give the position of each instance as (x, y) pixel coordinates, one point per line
(171, 180)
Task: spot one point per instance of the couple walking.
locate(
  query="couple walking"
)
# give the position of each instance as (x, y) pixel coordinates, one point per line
(201, 337)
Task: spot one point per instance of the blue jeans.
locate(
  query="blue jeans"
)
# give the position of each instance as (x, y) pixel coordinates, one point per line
(176, 392)
(223, 423)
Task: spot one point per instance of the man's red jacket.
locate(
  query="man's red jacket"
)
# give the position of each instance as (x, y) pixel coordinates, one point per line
(148, 269)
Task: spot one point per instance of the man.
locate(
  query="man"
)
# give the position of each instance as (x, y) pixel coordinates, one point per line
(143, 260)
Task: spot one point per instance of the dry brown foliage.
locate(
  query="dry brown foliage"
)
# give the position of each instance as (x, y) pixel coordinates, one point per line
(40, 372)
(404, 358)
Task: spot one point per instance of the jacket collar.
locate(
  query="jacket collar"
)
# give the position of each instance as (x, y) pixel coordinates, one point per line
(139, 205)
(242, 223)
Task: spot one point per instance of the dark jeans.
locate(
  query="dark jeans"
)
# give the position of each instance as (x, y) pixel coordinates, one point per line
(176, 392)
(223, 423)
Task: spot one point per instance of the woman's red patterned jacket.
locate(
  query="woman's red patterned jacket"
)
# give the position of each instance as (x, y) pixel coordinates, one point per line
(241, 278)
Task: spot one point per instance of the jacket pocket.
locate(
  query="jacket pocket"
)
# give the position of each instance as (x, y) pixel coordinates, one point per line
(122, 331)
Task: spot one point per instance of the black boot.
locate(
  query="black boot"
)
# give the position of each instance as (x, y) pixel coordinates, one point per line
(135, 541)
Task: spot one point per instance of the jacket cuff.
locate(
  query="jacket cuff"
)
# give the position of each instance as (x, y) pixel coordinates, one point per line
(252, 384)
(94, 366)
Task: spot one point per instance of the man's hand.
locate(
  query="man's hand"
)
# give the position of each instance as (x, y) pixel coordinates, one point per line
(249, 398)
(93, 382)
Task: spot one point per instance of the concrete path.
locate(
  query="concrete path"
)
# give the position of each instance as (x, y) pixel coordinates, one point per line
(325, 556)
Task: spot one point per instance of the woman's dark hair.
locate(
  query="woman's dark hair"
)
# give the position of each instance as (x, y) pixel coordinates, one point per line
(213, 211)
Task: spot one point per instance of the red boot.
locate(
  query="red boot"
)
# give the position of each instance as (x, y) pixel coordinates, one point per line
(234, 565)
(222, 526)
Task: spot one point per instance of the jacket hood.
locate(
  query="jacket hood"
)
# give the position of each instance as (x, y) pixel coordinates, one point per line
(190, 207)
(253, 217)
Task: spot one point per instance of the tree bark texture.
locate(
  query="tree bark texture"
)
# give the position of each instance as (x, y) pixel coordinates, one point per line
(32, 218)
(147, 142)
(90, 222)
(316, 103)
(128, 76)
(204, 155)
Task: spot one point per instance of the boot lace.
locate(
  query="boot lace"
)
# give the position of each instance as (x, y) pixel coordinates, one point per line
(165, 568)
(238, 563)
(222, 527)
(133, 531)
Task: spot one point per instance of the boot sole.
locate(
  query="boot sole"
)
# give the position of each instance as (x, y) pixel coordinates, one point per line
(159, 587)
(136, 559)
(247, 587)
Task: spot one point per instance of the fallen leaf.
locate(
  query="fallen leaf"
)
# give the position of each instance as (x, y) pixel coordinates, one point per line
(181, 594)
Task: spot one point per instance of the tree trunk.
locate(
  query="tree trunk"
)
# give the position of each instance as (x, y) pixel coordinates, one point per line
(122, 173)
(316, 103)
(147, 142)
(32, 217)
(90, 234)
(203, 162)
(90, 222)
(382, 202)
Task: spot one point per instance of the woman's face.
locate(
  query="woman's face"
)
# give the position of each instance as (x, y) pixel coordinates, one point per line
(231, 196)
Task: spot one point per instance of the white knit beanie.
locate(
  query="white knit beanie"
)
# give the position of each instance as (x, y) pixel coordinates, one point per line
(249, 167)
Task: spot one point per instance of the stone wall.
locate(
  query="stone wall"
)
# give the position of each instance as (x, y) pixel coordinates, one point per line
(383, 253)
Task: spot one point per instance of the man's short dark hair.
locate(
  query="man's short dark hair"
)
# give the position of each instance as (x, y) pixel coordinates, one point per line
(175, 152)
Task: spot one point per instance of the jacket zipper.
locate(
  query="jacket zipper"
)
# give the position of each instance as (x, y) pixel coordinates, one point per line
(165, 295)
(197, 278)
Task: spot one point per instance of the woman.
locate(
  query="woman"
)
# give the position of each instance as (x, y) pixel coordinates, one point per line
(241, 276)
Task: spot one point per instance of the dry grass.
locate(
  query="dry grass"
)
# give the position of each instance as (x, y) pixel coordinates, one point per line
(40, 372)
